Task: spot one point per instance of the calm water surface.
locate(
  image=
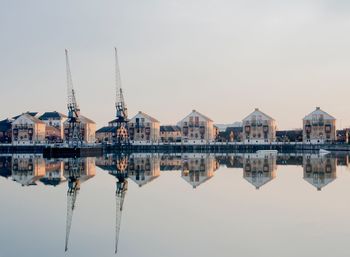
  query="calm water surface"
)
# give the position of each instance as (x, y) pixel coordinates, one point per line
(175, 205)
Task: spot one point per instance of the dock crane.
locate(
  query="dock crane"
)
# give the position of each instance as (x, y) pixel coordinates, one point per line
(72, 132)
(72, 193)
(121, 120)
(121, 174)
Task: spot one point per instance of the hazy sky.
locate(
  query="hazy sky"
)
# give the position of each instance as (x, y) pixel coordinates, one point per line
(222, 58)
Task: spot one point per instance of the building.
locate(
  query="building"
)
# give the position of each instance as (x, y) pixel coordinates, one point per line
(198, 168)
(319, 171)
(5, 131)
(319, 127)
(197, 128)
(230, 134)
(259, 169)
(169, 134)
(55, 120)
(28, 129)
(144, 129)
(53, 173)
(87, 130)
(295, 135)
(259, 128)
(106, 134)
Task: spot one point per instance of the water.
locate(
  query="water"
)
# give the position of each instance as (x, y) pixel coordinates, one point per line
(176, 205)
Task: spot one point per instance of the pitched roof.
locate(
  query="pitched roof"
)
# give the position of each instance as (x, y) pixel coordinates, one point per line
(258, 112)
(106, 129)
(30, 117)
(317, 112)
(5, 125)
(199, 114)
(146, 116)
(52, 115)
(30, 113)
(169, 128)
(85, 119)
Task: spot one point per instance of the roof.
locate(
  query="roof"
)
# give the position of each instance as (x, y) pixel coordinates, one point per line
(169, 128)
(258, 112)
(106, 129)
(85, 119)
(52, 115)
(30, 113)
(146, 116)
(200, 114)
(317, 112)
(30, 117)
(5, 125)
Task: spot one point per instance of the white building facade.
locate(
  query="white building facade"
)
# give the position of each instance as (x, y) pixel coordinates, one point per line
(197, 128)
(27, 130)
(144, 129)
(259, 128)
(319, 127)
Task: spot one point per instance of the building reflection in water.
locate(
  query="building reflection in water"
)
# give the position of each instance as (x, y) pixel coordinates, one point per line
(259, 168)
(53, 173)
(198, 168)
(319, 170)
(27, 168)
(76, 171)
(143, 168)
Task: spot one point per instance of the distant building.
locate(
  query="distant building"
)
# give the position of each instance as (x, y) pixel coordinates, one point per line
(259, 169)
(56, 120)
(27, 129)
(106, 134)
(170, 134)
(144, 129)
(5, 131)
(295, 135)
(231, 134)
(259, 128)
(343, 135)
(197, 128)
(87, 129)
(319, 127)
(319, 171)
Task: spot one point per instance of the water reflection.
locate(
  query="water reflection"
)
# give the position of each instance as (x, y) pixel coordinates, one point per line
(258, 169)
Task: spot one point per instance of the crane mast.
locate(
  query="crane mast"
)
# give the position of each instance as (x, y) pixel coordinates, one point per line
(121, 109)
(122, 187)
(72, 132)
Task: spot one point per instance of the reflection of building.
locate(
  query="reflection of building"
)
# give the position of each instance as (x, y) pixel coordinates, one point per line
(260, 168)
(198, 168)
(27, 129)
(319, 171)
(27, 168)
(318, 127)
(54, 173)
(259, 128)
(197, 128)
(144, 128)
(143, 168)
(83, 168)
(5, 166)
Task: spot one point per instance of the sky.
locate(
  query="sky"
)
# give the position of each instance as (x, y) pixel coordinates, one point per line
(222, 58)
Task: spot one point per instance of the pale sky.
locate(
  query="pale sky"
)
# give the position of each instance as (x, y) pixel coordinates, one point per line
(222, 58)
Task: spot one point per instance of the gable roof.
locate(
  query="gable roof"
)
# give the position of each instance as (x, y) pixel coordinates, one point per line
(199, 114)
(5, 125)
(146, 116)
(169, 128)
(30, 117)
(258, 112)
(52, 115)
(30, 113)
(107, 129)
(318, 111)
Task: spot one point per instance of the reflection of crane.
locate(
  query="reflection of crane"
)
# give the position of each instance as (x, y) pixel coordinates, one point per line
(122, 187)
(73, 135)
(122, 111)
(72, 193)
